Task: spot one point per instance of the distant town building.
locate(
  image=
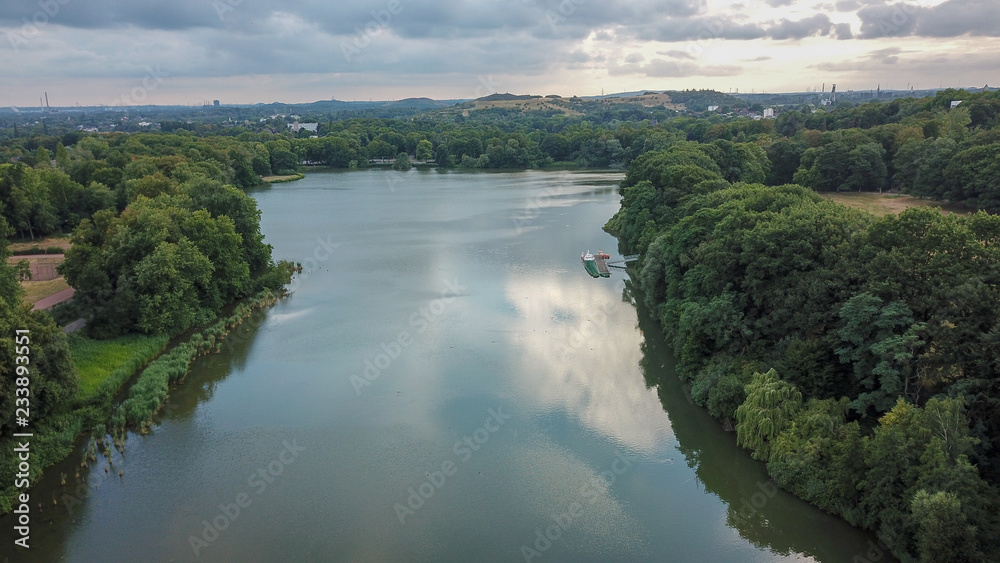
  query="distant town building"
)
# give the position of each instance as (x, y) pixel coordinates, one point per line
(955, 103)
(296, 126)
(768, 113)
(713, 108)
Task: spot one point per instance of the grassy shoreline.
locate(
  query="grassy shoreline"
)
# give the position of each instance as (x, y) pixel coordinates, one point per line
(282, 179)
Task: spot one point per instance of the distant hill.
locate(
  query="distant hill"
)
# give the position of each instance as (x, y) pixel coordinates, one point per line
(554, 104)
(700, 100)
(319, 106)
(506, 97)
(420, 103)
(621, 94)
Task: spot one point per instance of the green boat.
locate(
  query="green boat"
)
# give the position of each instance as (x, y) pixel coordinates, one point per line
(590, 264)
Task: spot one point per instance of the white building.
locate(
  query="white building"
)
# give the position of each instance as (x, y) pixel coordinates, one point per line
(768, 113)
(296, 126)
(955, 103)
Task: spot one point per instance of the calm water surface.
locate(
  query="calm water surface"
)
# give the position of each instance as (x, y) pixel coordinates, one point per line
(446, 383)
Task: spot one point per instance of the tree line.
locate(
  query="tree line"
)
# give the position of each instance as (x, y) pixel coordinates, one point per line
(856, 355)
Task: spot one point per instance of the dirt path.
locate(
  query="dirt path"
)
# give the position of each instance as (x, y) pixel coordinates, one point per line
(74, 326)
(52, 300)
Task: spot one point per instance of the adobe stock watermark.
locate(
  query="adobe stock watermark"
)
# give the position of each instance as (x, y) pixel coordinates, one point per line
(84, 487)
(749, 506)
(463, 450)
(486, 86)
(138, 94)
(585, 335)
(392, 179)
(223, 7)
(31, 28)
(899, 16)
(421, 320)
(712, 29)
(363, 36)
(589, 493)
(876, 551)
(259, 479)
(563, 11)
(533, 208)
(323, 251)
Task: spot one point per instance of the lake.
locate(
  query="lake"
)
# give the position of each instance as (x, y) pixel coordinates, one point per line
(445, 383)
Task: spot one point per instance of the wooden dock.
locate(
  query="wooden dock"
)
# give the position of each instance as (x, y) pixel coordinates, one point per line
(602, 265)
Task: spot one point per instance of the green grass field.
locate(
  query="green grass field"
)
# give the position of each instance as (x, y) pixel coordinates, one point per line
(280, 179)
(104, 365)
(38, 290)
(890, 204)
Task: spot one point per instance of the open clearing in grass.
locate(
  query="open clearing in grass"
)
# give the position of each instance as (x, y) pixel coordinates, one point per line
(35, 291)
(279, 179)
(104, 365)
(42, 243)
(890, 204)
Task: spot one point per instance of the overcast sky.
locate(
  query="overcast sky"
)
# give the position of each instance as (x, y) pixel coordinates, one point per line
(135, 52)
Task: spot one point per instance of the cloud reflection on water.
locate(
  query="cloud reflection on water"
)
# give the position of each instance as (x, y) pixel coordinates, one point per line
(579, 354)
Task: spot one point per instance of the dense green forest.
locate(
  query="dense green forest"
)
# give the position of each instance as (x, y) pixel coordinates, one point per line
(856, 355)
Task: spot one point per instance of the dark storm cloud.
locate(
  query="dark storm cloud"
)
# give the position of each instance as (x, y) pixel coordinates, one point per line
(950, 19)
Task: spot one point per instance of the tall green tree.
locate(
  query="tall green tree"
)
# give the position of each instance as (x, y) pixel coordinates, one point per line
(879, 341)
(769, 408)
